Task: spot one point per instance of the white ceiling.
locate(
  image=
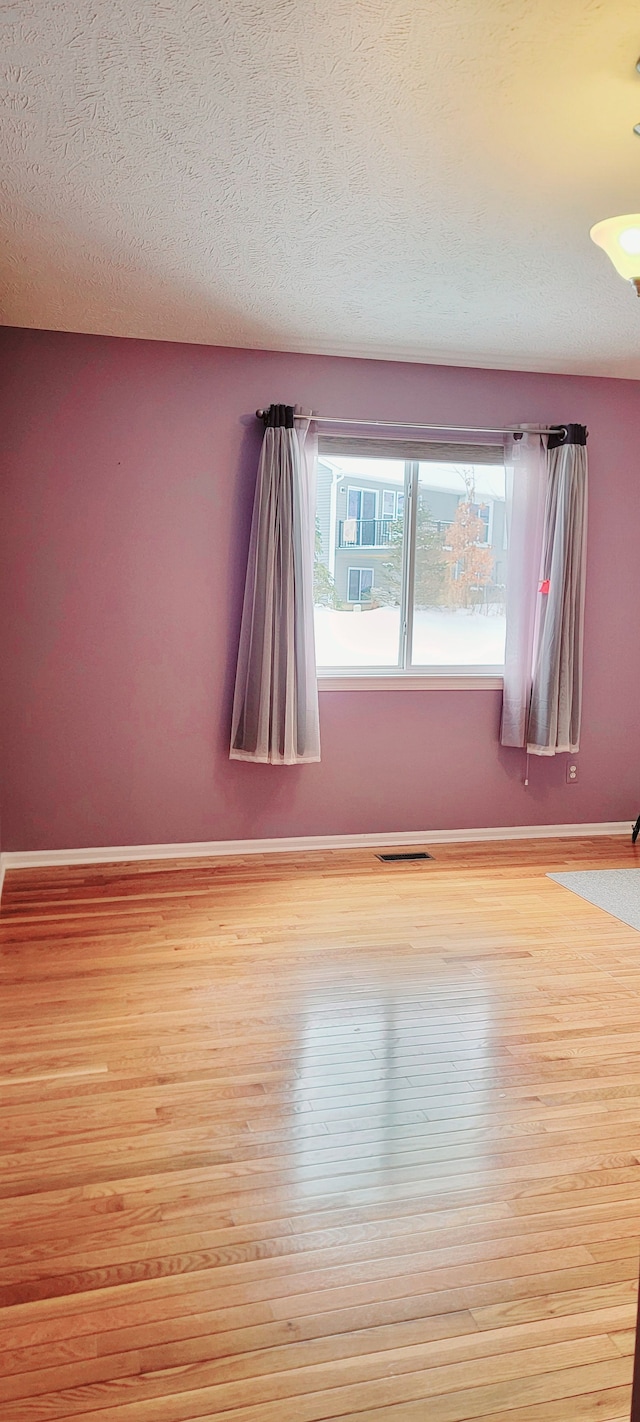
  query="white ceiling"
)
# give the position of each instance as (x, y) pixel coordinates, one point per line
(403, 178)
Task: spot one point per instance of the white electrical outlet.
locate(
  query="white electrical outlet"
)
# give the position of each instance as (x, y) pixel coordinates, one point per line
(572, 772)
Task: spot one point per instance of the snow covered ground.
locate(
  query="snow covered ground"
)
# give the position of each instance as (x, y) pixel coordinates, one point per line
(441, 637)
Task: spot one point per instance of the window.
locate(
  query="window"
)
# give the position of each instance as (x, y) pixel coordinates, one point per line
(362, 506)
(360, 584)
(428, 595)
(482, 512)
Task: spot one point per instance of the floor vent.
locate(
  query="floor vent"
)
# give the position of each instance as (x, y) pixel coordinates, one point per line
(403, 858)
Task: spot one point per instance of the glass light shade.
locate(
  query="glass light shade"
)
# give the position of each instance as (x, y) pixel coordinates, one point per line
(619, 237)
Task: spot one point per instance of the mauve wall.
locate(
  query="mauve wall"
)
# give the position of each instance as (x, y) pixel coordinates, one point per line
(127, 482)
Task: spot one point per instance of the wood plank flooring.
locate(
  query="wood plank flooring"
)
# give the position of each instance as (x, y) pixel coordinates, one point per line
(288, 1139)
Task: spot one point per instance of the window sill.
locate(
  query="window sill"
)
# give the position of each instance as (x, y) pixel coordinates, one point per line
(408, 681)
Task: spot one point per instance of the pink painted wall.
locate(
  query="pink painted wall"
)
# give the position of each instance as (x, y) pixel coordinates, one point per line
(127, 479)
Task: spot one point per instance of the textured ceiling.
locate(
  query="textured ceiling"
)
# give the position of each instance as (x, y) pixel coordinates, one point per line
(408, 178)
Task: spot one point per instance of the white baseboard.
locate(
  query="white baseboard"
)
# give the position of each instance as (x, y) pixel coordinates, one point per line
(223, 848)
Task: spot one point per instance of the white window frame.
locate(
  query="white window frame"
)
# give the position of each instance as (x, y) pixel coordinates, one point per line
(409, 677)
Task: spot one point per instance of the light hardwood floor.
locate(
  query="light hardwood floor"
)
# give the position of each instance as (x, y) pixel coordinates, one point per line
(300, 1138)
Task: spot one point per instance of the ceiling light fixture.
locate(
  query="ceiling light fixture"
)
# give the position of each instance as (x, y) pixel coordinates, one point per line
(619, 237)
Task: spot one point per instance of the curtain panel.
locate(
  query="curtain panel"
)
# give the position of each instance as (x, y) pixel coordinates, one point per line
(556, 694)
(526, 482)
(275, 717)
(547, 522)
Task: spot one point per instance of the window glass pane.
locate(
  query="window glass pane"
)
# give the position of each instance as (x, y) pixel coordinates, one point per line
(388, 504)
(460, 566)
(368, 528)
(358, 562)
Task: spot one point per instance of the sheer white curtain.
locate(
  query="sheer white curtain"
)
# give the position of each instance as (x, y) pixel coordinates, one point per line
(526, 481)
(275, 708)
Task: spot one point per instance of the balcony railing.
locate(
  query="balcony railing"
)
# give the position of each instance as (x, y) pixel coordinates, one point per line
(364, 532)
(376, 532)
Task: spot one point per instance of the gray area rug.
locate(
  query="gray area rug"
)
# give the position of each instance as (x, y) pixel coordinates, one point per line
(616, 890)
